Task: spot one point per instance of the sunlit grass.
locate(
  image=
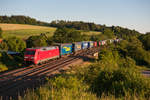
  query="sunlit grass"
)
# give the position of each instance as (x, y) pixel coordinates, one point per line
(24, 31)
(90, 32)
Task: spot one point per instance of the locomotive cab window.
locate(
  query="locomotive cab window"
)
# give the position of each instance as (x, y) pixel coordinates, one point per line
(29, 52)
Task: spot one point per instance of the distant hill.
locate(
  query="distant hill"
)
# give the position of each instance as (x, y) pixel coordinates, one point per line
(20, 19)
(79, 25)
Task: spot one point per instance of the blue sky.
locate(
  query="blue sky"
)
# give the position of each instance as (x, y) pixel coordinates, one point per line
(133, 14)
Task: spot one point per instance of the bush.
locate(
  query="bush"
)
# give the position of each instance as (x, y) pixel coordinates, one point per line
(134, 49)
(66, 81)
(120, 82)
(145, 39)
(13, 44)
(36, 41)
(65, 35)
(3, 67)
(14, 61)
(63, 87)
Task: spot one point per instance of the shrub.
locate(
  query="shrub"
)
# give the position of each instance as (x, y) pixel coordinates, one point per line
(3, 67)
(65, 35)
(134, 49)
(63, 87)
(13, 44)
(14, 61)
(36, 41)
(65, 81)
(145, 39)
(121, 81)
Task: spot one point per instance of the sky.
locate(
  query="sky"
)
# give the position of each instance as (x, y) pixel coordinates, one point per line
(132, 14)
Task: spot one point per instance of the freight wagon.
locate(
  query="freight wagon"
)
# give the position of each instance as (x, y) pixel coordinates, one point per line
(95, 44)
(99, 43)
(84, 45)
(77, 46)
(65, 48)
(41, 54)
(103, 42)
(90, 44)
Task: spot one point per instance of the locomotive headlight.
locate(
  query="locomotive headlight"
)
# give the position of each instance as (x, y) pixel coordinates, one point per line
(25, 57)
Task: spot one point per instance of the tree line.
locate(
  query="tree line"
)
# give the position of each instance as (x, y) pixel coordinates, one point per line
(78, 25)
(21, 20)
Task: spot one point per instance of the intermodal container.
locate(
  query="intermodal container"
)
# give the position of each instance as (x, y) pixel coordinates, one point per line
(90, 44)
(77, 46)
(99, 43)
(103, 42)
(95, 44)
(84, 45)
(65, 48)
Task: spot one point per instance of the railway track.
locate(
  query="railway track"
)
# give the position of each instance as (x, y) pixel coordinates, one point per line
(19, 80)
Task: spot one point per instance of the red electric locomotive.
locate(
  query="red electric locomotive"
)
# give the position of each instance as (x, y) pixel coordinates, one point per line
(41, 54)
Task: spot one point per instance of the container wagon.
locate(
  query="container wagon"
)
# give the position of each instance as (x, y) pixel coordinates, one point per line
(99, 43)
(103, 42)
(84, 45)
(90, 44)
(77, 46)
(95, 44)
(65, 48)
(41, 54)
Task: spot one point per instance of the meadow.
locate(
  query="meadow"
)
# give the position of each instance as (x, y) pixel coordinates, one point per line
(24, 31)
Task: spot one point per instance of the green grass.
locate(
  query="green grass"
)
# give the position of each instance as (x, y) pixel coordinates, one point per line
(25, 33)
(90, 32)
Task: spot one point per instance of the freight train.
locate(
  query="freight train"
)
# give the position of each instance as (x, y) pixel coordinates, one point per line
(41, 54)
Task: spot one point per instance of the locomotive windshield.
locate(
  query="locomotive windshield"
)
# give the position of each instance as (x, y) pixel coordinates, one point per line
(29, 52)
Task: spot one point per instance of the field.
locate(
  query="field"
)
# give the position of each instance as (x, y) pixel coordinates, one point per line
(90, 32)
(24, 31)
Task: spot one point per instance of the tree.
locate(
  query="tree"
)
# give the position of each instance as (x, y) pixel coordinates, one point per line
(64, 35)
(108, 32)
(3, 45)
(1, 33)
(36, 41)
(13, 44)
(145, 39)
